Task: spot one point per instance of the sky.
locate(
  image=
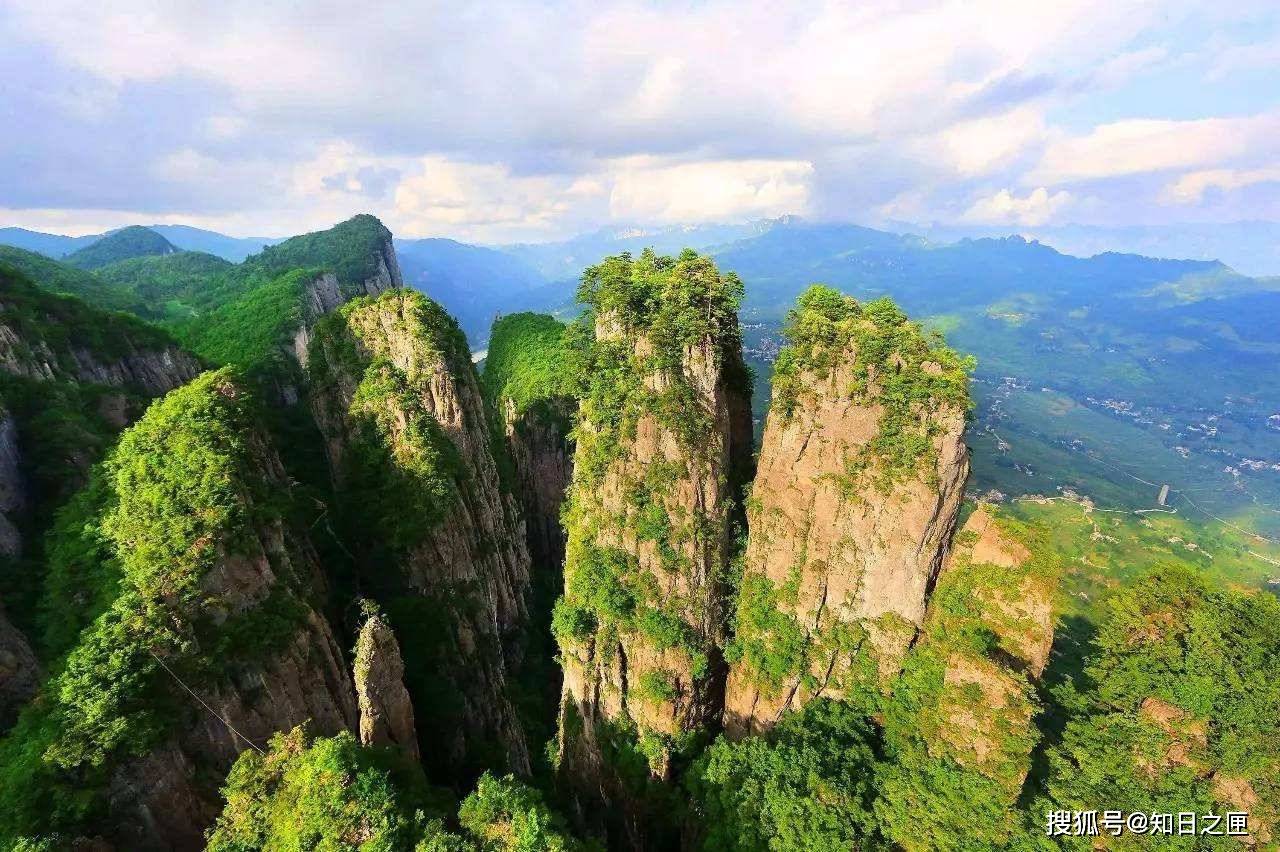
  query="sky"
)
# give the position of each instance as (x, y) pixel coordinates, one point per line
(500, 122)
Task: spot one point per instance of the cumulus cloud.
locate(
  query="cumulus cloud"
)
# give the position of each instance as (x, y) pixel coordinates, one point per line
(644, 190)
(1137, 146)
(1191, 187)
(531, 119)
(1036, 208)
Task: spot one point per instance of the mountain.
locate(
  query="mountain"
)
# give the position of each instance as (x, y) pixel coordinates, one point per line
(57, 277)
(663, 453)
(526, 380)
(134, 241)
(233, 249)
(195, 568)
(287, 571)
(162, 287)
(473, 282)
(50, 245)
(71, 377)
(185, 237)
(564, 260)
(866, 428)
(436, 537)
(1248, 247)
(1087, 367)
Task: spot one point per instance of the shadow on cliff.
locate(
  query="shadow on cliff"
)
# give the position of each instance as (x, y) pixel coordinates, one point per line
(1061, 690)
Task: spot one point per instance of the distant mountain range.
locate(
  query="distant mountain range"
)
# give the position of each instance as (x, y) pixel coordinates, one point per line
(184, 237)
(1251, 248)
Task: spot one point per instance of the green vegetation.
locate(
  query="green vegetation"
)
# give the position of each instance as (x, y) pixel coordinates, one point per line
(63, 422)
(526, 379)
(503, 815)
(526, 363)
(1176, 709)
(645, 568)
(62, 322)
(238, 314)
(332, 794)
(958, 727)
(670, 304)
(167, 286)
(255, 330)
(133, 241)
(401, 473)
(183, 488)
(1172, 710)
(350, 249)
(898, 365)
(1161, 694)
(326, 793)
(808, 785)
(380, 368)
(55, 277)
(770, 646)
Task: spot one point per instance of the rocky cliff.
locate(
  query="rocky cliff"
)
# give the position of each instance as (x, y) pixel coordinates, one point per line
(386, 711)
(45, 337)
(324, 294)
(19, 672)
(526, 379)
(210, 645)
(860, 478)
(664, 446)
(71, 376)
(542, 452)
(13, 488)
(961, 714)
(437, 537)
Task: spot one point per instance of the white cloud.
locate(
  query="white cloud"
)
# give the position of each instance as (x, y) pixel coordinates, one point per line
(1191, 187)
(1125, 66)
(978, 147)
(595, 74)
(645, 190)
(481, 201)
(487, 201)
(1004, 208)
(1137, 146)
(526, 120)
(1263, 55)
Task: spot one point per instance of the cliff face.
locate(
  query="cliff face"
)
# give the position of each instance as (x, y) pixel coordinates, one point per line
(861, 474)
(211, 643)
(26, 353)
(324, 294)
(663, 447)
(13, 490)
(967, 696)
(542, 452)
(19, 672)
(526, 380)
(386, 711)
(439, 542)
(71, 376)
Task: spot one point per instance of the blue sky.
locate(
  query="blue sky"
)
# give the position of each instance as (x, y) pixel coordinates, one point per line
(534, 121)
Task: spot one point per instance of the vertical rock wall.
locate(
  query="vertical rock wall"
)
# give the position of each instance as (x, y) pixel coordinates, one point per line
(860, 478)
(664, 444)
(439, 541)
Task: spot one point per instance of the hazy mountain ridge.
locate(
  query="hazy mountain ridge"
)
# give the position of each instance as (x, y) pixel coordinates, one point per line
(185, 237)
